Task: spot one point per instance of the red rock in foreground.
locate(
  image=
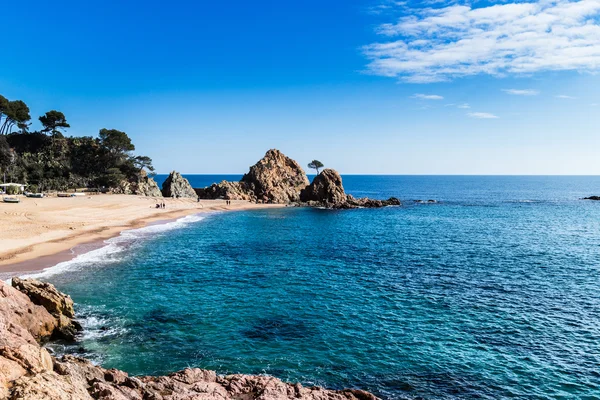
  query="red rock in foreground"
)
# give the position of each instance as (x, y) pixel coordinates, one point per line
(27, 371)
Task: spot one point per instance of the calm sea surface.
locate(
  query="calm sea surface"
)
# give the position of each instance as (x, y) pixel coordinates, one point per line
(492, 293)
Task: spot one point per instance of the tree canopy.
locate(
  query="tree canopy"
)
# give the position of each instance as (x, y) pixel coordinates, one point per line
(54, 121)
(13, 113)
(50, 161)
(316, 164)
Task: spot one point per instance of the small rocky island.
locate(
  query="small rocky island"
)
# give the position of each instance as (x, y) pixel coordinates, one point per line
(281, 180)
(33, 312)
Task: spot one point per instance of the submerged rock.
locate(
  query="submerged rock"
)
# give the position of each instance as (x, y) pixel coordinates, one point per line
(27, 371)
(58, 304)
(177, 186)
(327, 190)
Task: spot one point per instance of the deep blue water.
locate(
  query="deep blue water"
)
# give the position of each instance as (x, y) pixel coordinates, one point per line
(492, 293)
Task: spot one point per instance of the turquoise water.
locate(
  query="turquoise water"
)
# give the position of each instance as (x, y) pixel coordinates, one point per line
(492, 293)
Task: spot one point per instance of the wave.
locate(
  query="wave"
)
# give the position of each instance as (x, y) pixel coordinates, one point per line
(116, 248)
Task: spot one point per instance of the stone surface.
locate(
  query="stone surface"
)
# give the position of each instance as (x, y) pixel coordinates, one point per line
(142, 186)
(596, 198)
(327, 190)
(58, 304)
(27, 371)
(327, 187)
(177, 186)
(274, 179)
(226, 190)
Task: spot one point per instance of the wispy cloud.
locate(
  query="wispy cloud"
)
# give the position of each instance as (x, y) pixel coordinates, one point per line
(482, 115)
(439, 42)
(594, 104)
(464, 106)
(564, 96)
(521, 92)
(421, 96)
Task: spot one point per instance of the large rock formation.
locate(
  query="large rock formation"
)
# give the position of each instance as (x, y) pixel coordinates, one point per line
(177, 186)
(143, 185)
(59, 305)
(327, 190)
(27, 371)
(274, 179)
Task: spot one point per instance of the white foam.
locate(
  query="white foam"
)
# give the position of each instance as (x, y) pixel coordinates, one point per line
(116, 248)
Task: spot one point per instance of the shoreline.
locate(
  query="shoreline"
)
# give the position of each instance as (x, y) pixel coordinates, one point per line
(45, 254)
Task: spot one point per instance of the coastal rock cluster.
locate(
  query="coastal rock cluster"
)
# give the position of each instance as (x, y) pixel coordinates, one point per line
(279, 179)
(328, 191)
(28, 371)
(273, 179)
(177, 186)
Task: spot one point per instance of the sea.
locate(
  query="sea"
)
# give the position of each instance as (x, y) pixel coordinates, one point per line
(490, 292)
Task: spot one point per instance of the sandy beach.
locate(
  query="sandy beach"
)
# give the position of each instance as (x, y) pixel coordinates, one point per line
(38, 233)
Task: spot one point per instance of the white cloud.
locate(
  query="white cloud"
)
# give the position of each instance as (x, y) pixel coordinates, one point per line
(464, 106)
(594, 104)
(521, 92)
(482, 115)
(428, 96)
(438, 44)
(564, 96)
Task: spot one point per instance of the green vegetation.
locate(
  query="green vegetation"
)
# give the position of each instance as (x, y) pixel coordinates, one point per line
(316, 164)
(51, 161)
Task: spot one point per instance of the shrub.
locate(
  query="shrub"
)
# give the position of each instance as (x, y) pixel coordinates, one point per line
(12, 190)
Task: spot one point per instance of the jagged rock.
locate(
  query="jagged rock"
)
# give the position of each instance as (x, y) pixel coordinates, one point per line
(58, 304)
(327, 190)
(226, 190)
(327, 187)
(142, 185)
(596, 198)
(177, 186)
(365, 202)
(27, 371)
(274, 179)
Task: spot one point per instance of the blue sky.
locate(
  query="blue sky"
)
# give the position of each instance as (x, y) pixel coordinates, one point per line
(397, 87)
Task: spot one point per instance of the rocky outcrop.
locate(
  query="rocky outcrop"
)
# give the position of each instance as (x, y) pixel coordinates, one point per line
(226, 190)
(274, 179)
(27, 371)
(327, 190)
(143, 185)
(595, 198)
(58, 304)
(177, 186)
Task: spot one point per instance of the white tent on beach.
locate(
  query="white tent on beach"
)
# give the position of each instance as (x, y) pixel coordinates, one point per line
(5, 186)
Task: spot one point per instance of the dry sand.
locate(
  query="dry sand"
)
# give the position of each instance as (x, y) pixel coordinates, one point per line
(38, 233)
